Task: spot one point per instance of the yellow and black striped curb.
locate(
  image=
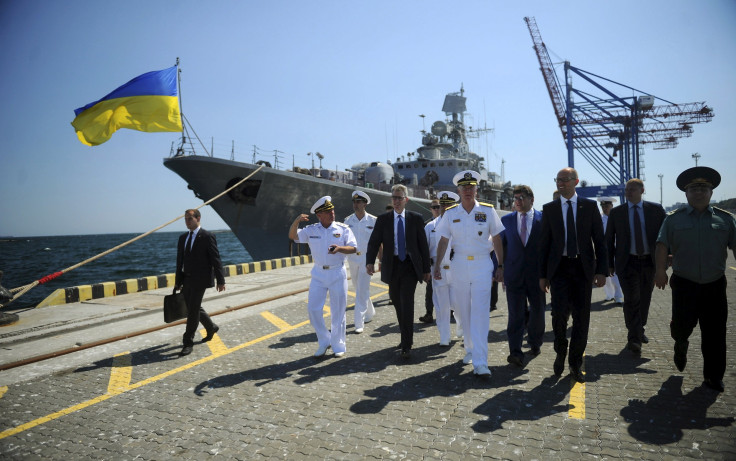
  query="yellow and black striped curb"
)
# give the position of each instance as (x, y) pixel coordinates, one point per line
(122, 287)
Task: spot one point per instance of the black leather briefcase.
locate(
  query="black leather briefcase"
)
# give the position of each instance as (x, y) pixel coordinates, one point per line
(175, 307)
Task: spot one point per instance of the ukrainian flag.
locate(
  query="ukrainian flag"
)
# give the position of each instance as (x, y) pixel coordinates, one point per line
(149, 102)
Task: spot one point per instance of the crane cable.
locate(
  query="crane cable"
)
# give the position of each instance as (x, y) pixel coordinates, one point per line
(24, 289)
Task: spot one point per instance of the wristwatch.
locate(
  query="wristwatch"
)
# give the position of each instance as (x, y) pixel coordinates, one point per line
(500, 266)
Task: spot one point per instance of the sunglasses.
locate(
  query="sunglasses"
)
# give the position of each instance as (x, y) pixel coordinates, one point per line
(435, 207)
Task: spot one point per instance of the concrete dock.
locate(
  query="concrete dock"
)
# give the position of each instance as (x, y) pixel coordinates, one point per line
(255, 391)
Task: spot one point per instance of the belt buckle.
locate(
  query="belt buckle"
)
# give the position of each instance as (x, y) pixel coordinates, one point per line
(445, 267)
(325, 267)
(358, 253)
(471, 258)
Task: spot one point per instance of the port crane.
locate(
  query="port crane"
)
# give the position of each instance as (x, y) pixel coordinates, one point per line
(606, 129)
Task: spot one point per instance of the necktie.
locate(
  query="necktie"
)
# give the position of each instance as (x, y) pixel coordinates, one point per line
(189, 241)
(572, 246)
(637, 232)
(401, 239)
(523, 229)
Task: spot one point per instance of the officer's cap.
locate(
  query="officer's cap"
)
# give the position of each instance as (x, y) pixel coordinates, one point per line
(699, 175)
(361, 195)
(466, 178)
(448, 198)
(605, 200)
(323, 204)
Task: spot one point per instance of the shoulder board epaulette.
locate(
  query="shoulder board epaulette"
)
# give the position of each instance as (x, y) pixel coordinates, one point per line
(341, 224)
(675, 211)
(723, 211)
(486, 204)
(451, 207)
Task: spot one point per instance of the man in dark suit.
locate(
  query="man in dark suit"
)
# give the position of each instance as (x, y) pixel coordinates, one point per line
(631, 238)
(197, 265)
(405, 260)
(521, 277)
(572, 255)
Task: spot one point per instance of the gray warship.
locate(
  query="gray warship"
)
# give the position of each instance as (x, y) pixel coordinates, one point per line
(260, 211)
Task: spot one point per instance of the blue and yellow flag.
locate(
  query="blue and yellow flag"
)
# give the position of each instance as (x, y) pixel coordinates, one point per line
(149, 102)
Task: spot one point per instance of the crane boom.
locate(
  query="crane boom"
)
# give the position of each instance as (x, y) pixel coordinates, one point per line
(548, 72)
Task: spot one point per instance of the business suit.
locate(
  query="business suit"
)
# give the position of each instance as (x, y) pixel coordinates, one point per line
(196, 270)
(635, 273)
(401, 276)
(521, 277)
(571, 276)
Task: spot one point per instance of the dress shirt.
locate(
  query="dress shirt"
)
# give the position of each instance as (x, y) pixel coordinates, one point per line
(640, 210)
(361, 229)
(529, 216)
(396, 227)
(563, 200)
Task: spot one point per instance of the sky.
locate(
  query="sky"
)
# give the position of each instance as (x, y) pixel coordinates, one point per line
(346, 79)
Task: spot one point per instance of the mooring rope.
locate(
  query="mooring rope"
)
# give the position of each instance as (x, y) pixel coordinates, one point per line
(24, 289)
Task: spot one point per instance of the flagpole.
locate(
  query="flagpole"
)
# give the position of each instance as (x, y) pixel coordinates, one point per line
(181, 112)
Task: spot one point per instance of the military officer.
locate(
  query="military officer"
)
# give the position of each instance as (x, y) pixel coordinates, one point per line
(361, 224)
(612, 288)
(441, 287)
(329, 242)
(698, 236)
(475, 230)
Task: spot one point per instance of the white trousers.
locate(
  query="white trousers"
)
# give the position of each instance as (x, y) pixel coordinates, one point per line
(470, 294)
(364, 309)
(336, 283)
(442, 304)
(612, 288)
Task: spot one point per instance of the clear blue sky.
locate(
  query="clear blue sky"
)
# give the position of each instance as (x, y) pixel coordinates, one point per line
(347, 79)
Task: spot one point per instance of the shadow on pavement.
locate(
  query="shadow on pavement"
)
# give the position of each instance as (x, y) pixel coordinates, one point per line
(519, 405)
(662, 419)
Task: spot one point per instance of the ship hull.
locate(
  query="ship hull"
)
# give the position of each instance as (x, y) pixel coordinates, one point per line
(260, 211)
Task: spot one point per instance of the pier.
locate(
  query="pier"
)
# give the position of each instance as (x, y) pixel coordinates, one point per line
(102, 379)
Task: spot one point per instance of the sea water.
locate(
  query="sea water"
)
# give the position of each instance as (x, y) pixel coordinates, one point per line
(26, 259)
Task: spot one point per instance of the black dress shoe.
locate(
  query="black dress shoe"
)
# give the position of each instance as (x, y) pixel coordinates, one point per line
(714, 384)
(211, 334)
(680, 360)
(559, 363)
(515, 360)
(405, 353)
(535, 351)
(426, 319)
(644, 339)
(186, 350)
(577, 375)
(634, 347)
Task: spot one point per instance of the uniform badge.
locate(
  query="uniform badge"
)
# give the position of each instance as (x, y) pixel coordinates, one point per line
(369, 227)
(337, 234)
(480, 217)
(455, 220)
(315, 237)
(480, 232)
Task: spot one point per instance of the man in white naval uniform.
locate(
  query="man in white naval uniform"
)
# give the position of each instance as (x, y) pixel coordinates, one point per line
(361, 224)
(612, 288)
(329, 242)
(475, 230)
(441, 287)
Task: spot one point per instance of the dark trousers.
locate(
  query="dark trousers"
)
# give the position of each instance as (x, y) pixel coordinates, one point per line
(519, 318)
(571, 292)
(401, 291)
(637, 284)
(428, 304)
(196, 313)
(494, 292)
(705, 303)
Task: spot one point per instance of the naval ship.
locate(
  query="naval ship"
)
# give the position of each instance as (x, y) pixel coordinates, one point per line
(260, 211)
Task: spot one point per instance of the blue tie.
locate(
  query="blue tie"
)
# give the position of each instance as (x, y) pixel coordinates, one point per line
(401, 239)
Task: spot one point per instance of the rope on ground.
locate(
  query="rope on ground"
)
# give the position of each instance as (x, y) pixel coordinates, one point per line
(24, 289)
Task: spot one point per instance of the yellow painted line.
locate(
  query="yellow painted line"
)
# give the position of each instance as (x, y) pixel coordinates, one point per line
(215, 344)
(3, 390)
(577, 401)
(153, 379)
(277, 321)
(731, 267)
(379, 285)
(120, 373)
(88, 403)
(351, 293)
